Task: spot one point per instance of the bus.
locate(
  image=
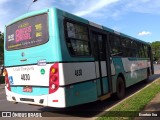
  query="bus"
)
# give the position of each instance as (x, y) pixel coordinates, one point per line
(54, 58)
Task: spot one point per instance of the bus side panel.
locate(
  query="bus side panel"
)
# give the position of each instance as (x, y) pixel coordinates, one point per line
(81, 93)
(75, 72)
(135, 70)
(84, 86)
(66, 56)
(118, 66)
(79, 80)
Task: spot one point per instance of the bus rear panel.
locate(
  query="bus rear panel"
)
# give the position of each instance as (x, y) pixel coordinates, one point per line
(32, 56)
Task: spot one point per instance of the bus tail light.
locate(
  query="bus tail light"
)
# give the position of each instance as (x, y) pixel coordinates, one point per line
(5, 73)
(53, 78)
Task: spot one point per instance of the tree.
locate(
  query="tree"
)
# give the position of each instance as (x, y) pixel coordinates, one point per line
(1, 47)
(156, 50)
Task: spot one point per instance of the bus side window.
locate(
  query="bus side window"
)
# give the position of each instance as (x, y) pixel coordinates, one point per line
(77, 39)
(135, 49)
(126, 46)
(101, 47)
(95, 50)
(146, 51)
(142, 51)
(116, 49)
(138, 50)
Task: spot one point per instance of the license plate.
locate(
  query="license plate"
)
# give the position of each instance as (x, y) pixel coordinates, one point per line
(27, 89)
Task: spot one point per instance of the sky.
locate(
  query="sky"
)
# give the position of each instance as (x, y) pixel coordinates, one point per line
(136, 18)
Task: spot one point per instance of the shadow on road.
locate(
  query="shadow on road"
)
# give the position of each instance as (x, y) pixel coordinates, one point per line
(92, 109)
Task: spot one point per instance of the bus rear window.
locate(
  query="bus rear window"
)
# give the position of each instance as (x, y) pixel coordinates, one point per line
(27, 33)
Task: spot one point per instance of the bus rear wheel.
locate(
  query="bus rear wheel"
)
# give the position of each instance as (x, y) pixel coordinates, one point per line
(120, 88)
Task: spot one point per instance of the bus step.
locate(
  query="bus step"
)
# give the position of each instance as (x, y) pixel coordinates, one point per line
(101, 98)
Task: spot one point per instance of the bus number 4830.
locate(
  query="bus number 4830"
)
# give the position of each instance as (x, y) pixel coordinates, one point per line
(25, 77)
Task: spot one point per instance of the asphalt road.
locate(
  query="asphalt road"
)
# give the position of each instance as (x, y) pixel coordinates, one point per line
(86, 111)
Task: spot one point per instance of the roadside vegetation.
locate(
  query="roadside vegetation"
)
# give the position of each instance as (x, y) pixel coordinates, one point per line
(129, 108)
(156, 50)
(1, 47)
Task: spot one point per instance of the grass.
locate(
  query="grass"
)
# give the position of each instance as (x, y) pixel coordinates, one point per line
(130, 107)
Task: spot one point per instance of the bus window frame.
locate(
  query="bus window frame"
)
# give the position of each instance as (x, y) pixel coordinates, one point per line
(130, 47)
(120, 45)
(66, 19)
(139, 44)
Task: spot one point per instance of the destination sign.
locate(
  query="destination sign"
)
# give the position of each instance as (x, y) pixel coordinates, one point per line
(28, 32)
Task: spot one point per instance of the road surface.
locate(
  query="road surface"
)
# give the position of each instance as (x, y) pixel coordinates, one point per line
(85, 112)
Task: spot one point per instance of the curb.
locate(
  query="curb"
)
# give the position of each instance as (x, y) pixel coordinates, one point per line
(99, 115)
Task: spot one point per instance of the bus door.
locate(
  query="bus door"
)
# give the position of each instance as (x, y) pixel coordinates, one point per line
(102, 64)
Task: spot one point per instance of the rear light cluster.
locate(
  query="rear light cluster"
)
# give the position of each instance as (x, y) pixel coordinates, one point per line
(5, 73)
(53, 78)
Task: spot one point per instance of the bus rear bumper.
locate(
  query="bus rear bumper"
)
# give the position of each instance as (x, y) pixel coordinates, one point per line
(56, 99)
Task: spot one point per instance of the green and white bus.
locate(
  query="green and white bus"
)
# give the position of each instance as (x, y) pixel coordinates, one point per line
(54, 58)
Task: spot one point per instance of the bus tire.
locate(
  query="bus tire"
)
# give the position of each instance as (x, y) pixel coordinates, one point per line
(14, 102)
(120, 88)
